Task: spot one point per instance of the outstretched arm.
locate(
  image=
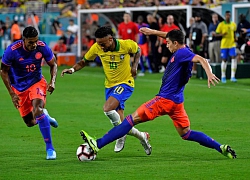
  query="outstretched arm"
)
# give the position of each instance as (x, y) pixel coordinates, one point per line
(148, 31)
(81, 64)
(211, 78)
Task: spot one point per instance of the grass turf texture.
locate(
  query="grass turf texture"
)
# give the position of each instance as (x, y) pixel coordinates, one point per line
(222, 112)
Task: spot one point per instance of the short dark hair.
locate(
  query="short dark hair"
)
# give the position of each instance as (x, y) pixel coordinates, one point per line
(227, 12)
(176, 35)
(197, 15)
(103, 32)
(30, 32)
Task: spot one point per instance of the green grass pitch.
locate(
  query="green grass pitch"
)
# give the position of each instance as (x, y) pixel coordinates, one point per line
(222, 112)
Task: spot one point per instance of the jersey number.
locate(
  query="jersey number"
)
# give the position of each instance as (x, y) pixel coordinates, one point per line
(112, 65)
(31, 68)
(119, 89)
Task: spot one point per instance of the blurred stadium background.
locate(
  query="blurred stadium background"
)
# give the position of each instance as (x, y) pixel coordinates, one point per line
(51, 17)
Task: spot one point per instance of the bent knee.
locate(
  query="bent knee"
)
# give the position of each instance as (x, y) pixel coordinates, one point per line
(30, 125)
(37, 111)
(107, 109)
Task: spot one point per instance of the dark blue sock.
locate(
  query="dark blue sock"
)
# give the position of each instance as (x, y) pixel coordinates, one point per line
(116, 132)
(44, 126)
(148, 63)
(142, 65)
(202, 139)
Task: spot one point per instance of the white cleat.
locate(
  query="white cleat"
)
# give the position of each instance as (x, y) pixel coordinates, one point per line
(51, 154)
(147, 147)
(52, 121)
(120, 144)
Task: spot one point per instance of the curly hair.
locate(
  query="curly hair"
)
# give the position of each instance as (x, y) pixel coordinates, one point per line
(30, 32)
(103, 32)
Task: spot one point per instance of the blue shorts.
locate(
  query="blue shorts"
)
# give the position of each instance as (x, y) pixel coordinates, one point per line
(121, 92)
(228, 52)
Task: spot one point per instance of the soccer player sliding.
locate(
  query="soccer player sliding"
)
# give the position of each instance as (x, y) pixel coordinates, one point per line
(170, 99)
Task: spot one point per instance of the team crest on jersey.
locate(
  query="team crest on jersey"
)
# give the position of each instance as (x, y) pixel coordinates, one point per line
(38, 55)
(172, 60)
(122, 56)
(112, 57)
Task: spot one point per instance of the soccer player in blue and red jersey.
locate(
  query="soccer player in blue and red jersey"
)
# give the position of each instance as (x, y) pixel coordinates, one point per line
(22, 75)
(169, 100)
(143, 44)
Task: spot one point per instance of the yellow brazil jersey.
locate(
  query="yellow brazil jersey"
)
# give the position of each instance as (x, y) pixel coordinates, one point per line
(116, 64)
(227, 40)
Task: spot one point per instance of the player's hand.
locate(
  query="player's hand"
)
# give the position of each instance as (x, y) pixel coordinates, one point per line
(66, 71)
(134, 72)
(51, 87)
(15, 100)
(145, 30)
(212, 79)
(244, 30)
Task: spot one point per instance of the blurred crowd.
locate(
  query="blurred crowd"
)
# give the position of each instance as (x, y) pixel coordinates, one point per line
(100, 4)
(199, 36)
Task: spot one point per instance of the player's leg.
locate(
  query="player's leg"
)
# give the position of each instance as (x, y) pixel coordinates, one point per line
(233, 54)
(29, 120)
(141, 63)
(145, 54)
(109, 109)
(217, 52)
(44, 125)
(114, 134)
(142, 136)
(211, 52)
(224, 56)
(142, 67)
(125, 92)
(25, 107)
(53, 122)
(182, 125)
(116, 98)
(38, 98)
(142, 114)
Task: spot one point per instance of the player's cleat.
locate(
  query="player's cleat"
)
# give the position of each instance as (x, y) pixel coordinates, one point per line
(233, 79)
(91, 141)
(51, 154)
(52, 121)
(227, 151)
(120, 144)
(147, 147)
(141, 74)
(223, 80)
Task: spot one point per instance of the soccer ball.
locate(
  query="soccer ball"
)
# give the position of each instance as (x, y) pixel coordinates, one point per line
(84, 153)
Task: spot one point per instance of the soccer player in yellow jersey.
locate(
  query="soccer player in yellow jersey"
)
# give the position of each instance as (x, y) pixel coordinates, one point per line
(227, 30)
(119, 78)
